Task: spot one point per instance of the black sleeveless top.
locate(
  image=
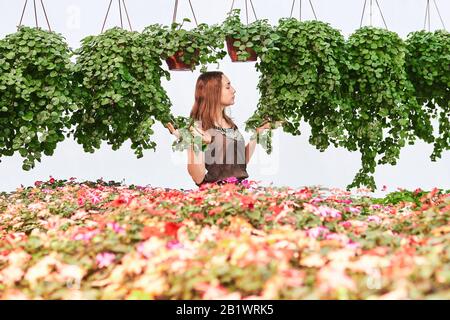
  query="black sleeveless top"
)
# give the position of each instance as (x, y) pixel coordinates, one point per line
(225, 155)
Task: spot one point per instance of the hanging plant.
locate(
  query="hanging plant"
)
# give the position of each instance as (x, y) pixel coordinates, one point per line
(118, 87)
(383, 113)
(428, 66)
(35, 93)
(183, 48)
(244, 42)
(301, 75)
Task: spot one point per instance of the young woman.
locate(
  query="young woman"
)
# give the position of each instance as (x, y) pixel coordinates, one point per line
(226, 155)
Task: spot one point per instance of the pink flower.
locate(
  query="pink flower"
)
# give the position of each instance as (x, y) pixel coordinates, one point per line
(375, 206)
(174, 244)
(105, 259)
(384, 188)
(247, 184)
(375, 219)
(325, 211)
(87, 235)
(231, 180)
(354, 210)
(346, 224)
(115, 227)
(317, 232)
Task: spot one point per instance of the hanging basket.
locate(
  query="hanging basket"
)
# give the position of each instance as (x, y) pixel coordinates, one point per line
(232, 51)
(175, 62)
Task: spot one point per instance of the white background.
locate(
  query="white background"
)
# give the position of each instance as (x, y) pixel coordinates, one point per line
(293, 163)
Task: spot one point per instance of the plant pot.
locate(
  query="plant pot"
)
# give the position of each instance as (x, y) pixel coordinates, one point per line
(232, 51)
(176, 64)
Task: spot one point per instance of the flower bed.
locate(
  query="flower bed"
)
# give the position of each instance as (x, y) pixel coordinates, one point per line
(102, 240)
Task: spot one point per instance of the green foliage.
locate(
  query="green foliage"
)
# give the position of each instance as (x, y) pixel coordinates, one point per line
(383, 113)
(119, 91)
(201, 45)
(428, 67)
(301, 79)
(256, 35)
(187, 139)
(35, 74)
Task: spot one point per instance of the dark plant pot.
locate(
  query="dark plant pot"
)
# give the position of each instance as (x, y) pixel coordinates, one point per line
(232, 51)
(176, 64)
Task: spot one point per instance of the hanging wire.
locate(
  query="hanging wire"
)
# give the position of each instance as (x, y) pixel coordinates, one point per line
(370, 5)
(45, 14)
(439, 13)
(427, 16)
(35, 14)
(232, 6)
(126, 12)
(246, 10)
(300, 9)
(381, 12)
(253, 8)
(362, 15)
(23, 12)
(193, 13)
(175, 10)
(106, 17)
(312, 8)
(120, 14)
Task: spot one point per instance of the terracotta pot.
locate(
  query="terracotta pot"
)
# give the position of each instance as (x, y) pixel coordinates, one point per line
(176, 64)
(232, 51)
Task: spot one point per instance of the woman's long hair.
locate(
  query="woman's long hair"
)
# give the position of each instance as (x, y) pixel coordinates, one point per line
(208, 93)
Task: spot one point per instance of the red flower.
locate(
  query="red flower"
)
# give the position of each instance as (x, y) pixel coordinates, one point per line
(171, 228)
(149, 232)
(52, 180)
(38, 183)
(214, 211)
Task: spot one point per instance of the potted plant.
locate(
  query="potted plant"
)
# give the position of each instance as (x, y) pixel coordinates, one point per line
(301, 80)
(383, 111)
(36, 93)
(119, 91)
(244, 42)
(185, 49)
(427, 64)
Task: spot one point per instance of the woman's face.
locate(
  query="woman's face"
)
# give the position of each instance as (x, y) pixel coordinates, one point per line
(228, 92)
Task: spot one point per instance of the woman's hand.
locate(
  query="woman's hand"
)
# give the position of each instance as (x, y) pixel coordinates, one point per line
(267, 125)
(206, 137)
(173, 131)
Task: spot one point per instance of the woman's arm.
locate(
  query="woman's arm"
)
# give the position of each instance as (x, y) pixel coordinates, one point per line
(250, 147)
(196, 165)
(249, 150)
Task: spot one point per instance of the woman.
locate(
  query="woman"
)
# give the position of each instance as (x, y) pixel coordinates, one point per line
(226, 155)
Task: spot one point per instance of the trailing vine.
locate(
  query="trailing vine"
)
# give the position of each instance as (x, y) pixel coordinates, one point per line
(35, 93)
(119, 91)
(428, 67)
